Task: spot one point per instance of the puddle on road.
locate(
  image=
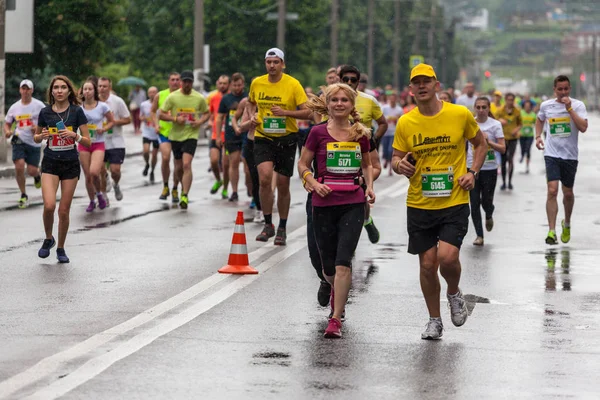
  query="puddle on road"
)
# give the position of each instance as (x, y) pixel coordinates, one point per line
(34, 204)
(272, 358)
(561, 276)
(88, 228)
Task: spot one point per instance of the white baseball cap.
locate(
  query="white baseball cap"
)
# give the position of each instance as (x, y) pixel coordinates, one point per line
(275, 52)
(26, 82)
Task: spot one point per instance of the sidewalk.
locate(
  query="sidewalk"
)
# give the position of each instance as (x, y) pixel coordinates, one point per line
(133, 148)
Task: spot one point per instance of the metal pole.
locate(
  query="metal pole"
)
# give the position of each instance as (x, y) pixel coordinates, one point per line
(596, 77)
(199, 41)
(3, 144)
(396, 43)
(333, 60)
(281, 25)
(370, 40)
(430, 41)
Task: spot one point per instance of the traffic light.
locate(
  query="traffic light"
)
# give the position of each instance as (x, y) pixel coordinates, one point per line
(488, 74)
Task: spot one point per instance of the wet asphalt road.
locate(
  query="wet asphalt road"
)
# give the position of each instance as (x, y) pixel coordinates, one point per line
(141, 313)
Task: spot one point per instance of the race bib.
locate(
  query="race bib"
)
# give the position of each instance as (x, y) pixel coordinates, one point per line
(92, 128)
(437, 181)
(274, 124)
(231, 117)
(57, 143)
(560, 127)
(24, 121)
(343, 157)
(188, 113)
(527, 131)
(108, 132)
(490, 155)
(303, 124)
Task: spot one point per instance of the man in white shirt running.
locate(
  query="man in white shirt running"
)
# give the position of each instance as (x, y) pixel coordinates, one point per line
(468, 97)
(562, 118)
(114, 142)
(149, 133)
(24, 114)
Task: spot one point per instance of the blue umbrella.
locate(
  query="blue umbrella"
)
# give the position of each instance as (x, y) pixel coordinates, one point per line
(131, 81)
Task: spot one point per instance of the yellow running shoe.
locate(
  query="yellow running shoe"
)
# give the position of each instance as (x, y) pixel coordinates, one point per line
(565, 236)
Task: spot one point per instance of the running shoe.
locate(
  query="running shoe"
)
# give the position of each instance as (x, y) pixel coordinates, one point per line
(62, 256)
(503, 187)
(458, 309)
(102, 204)
(324, 293)
(146, 168)
(259, 217)
(372, 231)
(118, 193)
(478, 241)
(152, 177)
(434, 330)
(252, 205)
(510, 186)
(183, 204)
(174, 196)
(216, 186)
(280, 238)
(267, 232)
(165, 193)
(234, 197)
(334, 329)
(91, 206)
(489, 224)
(37, 182)
(565, 236)
(224, 194)
(23, 201)
(551, 238)
(46, 246)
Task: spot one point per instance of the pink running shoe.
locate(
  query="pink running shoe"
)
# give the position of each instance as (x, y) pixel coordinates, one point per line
(101, 201)
(334, 329)
(91, 206)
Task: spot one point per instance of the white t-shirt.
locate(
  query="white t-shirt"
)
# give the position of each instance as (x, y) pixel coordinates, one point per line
(26, 117)
(95, 119)
(148, 131)
(467, 101)
(114, 137)
(561, 133)
(391, 115)
(493, 129)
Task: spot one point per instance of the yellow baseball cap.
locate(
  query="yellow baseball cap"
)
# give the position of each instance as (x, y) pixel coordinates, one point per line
(498, 93)
(422, 70)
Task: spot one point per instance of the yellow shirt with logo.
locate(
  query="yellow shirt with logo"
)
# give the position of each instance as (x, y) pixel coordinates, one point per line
(513, 119)
(368, 108)
(288, 94)
(438, 145)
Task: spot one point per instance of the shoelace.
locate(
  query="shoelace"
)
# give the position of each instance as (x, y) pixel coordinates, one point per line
(456, 304)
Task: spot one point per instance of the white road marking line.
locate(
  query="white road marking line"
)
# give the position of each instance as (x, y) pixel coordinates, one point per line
(49, 365)
(99, 364)
(52, 363)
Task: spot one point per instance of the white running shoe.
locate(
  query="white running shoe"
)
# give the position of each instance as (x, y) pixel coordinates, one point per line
(433, 330)
(259, 218)
(458, 309)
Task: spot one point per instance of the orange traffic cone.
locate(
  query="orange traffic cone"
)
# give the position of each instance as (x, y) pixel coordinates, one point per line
(238, 255)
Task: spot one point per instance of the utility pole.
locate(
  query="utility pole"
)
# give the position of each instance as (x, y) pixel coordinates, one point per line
(370, 40)
(198, 42)
(3, 144)
(596, 77)
(431, 35)
(333, 53)
(396, 44)
(281, 25)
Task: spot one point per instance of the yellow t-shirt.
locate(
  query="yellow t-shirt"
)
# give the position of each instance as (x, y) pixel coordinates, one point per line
(288, 94)
(438, 145)
(513, 119)
(368, 108)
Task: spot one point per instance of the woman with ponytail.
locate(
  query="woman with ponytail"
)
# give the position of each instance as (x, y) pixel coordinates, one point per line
(340, 150)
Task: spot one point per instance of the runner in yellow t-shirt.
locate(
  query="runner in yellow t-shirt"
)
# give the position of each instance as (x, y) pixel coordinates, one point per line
(429, 148)
(510, 118)
(280, 100)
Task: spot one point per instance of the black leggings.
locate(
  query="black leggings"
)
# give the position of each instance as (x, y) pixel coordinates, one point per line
(253, 172)
(482, 196)
(507, 158)
(313, 250)
(337, 230)
(526, 143)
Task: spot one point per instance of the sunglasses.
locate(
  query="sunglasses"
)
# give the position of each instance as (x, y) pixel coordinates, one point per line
(347, 79)
(481, 107)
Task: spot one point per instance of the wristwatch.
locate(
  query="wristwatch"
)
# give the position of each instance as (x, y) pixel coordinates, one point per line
(475, 173)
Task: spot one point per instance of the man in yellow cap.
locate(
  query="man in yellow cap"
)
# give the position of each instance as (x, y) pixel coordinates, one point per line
(496, 103)
(429, 149)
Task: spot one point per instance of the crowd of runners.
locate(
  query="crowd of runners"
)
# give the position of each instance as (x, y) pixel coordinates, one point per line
(451, 148)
